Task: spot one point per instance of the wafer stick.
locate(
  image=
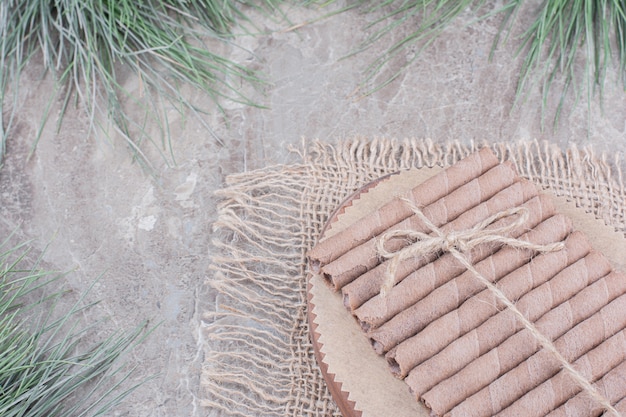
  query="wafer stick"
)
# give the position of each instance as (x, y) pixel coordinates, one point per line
(603, 330)
(473, 312)
(580, 323)
(378, 310)
(369, 284)
(476, 349)
(447, 297)
(362, 258)
(396, 210)
(611, 386)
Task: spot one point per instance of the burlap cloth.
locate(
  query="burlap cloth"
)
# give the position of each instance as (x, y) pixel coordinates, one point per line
(259, 360)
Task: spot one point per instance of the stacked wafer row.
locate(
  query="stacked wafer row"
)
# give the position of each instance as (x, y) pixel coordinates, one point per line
(449, 338)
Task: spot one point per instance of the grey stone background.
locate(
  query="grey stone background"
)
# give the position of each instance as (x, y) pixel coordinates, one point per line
(81, 195)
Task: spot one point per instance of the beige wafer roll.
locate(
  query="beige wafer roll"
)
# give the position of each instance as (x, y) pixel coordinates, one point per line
(612, 386)
(448, 297)
(362, 258)
(505, 373)
(368, 285)
(473, 312)
(594, 347)
(395, 211)
(377, 310)
(467, 358)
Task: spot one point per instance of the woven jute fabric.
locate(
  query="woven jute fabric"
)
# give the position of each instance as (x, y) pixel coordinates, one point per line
(259, 360)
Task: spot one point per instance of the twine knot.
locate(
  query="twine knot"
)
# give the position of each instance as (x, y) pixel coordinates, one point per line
(453, 241)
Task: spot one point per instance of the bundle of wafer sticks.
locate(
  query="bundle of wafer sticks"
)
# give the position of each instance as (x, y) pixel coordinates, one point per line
(528, 321)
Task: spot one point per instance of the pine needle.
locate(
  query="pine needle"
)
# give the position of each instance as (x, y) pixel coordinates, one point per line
(46, 366)
(85, 44)
(563, 34)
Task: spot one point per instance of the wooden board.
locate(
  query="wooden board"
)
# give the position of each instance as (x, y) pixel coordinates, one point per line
(357, 377)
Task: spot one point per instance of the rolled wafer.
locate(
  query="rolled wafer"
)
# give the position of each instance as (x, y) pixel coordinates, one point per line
(362, 258)
(612, 386)
(396, 210)
(594, 347)
(369, 284)
(514, 371)
(473, 312)
(473, 358)
(448, 297)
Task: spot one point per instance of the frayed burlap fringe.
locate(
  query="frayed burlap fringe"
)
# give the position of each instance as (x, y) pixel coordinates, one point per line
(259, 360)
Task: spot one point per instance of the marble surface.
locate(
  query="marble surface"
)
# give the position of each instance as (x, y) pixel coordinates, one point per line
(148, 234)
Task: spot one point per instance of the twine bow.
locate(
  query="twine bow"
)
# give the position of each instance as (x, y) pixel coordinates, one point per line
(454, 242)
(458, 242)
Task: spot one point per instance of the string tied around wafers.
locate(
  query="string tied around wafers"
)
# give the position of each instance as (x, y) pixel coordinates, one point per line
(457, 243)
(461, 241)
